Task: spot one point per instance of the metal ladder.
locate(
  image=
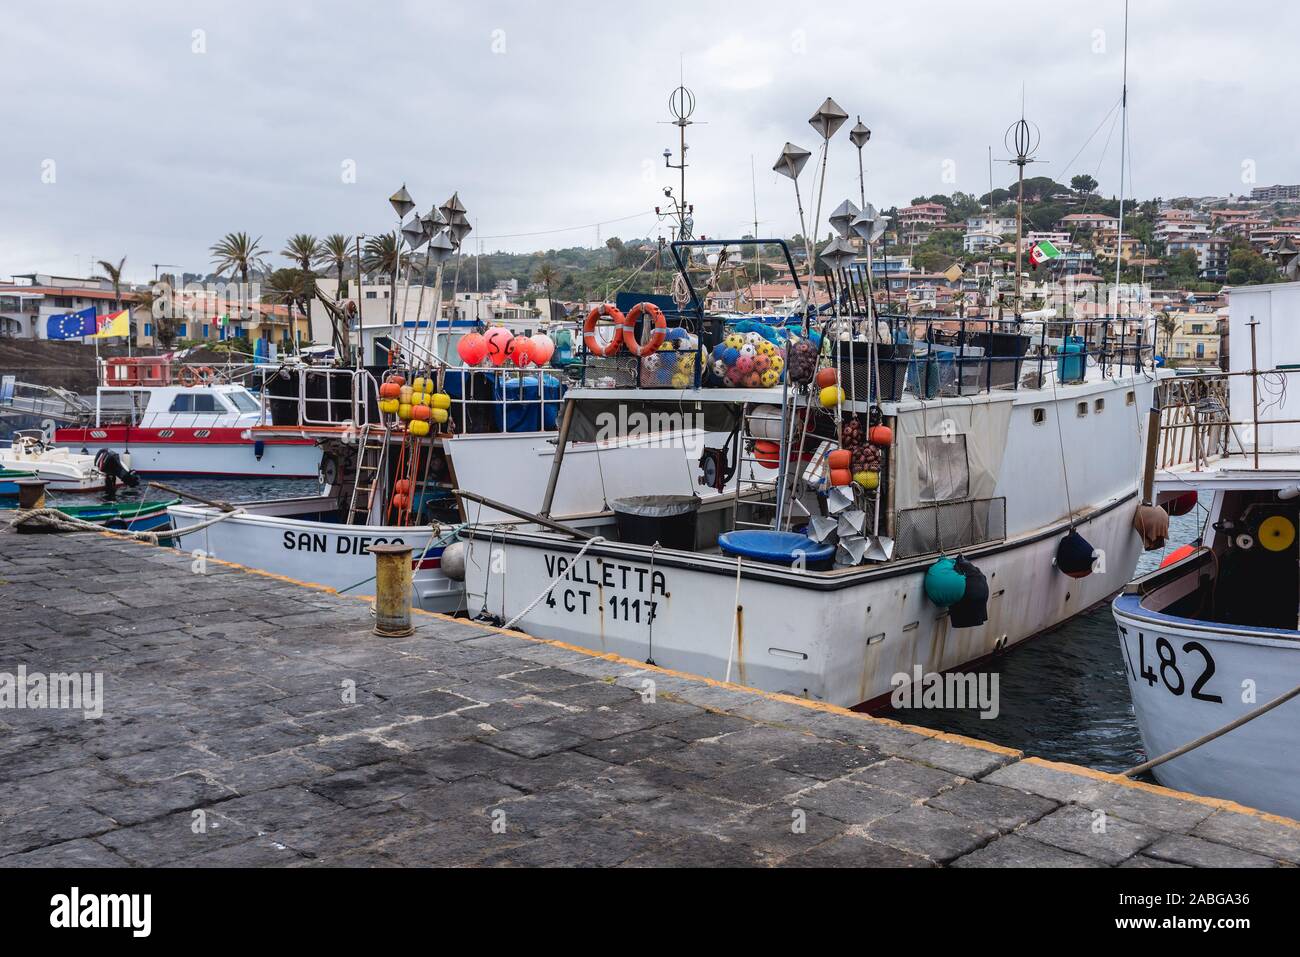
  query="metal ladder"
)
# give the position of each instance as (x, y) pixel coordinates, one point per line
(371, 454)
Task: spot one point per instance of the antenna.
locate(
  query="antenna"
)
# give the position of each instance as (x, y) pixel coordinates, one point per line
(681, 104)
(1021, 140)
(1123, 148)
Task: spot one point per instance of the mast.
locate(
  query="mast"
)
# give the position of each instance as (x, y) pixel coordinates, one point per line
(1123, 146)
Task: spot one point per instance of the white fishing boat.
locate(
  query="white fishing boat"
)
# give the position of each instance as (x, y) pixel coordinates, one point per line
(1212, 638)
(993, 459)
(61, 469)
(397, 440)
(187, 421)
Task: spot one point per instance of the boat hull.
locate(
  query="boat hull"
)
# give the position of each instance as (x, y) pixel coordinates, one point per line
(1177, 668)
(293, 538)
(217, 452)
(837, 637)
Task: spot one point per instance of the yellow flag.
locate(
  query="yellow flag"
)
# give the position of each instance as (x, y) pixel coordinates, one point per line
(117, 324)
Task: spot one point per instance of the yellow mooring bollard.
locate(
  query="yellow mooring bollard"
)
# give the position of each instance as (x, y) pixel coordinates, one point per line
(392, 590)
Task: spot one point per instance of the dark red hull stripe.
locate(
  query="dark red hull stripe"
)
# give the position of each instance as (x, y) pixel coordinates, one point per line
(121, 435)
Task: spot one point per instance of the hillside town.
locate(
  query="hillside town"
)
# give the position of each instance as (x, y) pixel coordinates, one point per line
(943, 257)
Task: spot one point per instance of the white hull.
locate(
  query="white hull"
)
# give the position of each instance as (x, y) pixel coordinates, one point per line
(60, 470)
(1257, 764)
(804, 634)
(286, 538)
(219, 459)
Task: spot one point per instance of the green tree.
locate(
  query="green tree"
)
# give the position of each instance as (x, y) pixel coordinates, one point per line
(1083, 183)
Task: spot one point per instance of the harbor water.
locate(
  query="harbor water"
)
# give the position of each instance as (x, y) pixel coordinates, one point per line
(1061, 695)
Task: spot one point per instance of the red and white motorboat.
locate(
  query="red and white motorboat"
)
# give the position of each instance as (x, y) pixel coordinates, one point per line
(185, 421)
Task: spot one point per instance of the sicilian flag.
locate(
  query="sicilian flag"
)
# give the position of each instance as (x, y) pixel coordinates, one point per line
(72, 325)
(1042, 252)
(116, 324)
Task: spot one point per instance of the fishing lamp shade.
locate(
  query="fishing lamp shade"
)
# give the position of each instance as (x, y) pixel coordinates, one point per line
(542, 348)
(1075, 555)
(828, 118)
(402, 202)
(452, 206)
(838, 253)
(472, 349)
(842, 218)
(791, 161)
(944, 584)
(498, 344)
(414, 233)
(440, 247)
(860, 135)
(972, 609)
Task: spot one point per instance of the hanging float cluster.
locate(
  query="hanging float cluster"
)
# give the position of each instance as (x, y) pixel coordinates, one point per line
(749, 360)
(499, 345)
(415, 404)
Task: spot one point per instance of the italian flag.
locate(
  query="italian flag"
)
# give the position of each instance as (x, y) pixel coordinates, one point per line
(1042, 252)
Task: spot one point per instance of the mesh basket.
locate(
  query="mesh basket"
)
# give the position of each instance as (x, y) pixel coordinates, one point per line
(950, 526)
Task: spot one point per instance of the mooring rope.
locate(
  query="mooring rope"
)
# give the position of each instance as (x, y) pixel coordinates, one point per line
(1207, 738)
(554, 581)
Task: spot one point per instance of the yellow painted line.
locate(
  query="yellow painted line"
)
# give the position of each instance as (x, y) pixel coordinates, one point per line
(1221, 804)
(822, 706)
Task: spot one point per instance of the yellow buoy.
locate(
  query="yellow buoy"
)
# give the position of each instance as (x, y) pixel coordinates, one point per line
(438, 415)
(404, 411)
(1276, 533)
(831, 395)
(441, 400)
(419, 427)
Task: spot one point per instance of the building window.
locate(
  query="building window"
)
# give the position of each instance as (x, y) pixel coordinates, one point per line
(148, 328)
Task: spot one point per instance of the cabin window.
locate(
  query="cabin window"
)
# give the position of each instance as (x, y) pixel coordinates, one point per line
(196, 403)
(243, 401)
(944, 468)
(1040, 416)
(1099, 405)
(1082, 409)
(1129, 398)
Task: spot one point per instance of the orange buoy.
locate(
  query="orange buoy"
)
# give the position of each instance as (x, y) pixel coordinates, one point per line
(841, 477)
(840, 459)
(1177, 555)
(881, 435)
(827, 377)
(656, 337)
(767, 454)
(589, 330)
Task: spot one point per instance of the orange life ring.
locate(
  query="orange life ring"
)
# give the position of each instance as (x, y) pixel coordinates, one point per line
(589, 330)
(188, 376)
(656, 338)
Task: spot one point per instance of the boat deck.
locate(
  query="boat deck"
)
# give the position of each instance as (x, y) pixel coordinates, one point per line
(225, 691)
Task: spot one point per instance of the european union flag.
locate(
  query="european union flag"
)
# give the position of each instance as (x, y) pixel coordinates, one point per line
(72, 325)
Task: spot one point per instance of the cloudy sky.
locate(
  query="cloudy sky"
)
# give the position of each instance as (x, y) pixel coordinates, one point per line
(151, 133)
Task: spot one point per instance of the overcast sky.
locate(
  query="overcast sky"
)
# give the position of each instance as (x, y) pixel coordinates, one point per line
(167, 126)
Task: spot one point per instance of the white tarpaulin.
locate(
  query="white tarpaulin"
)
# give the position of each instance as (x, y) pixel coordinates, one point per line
(945, 453)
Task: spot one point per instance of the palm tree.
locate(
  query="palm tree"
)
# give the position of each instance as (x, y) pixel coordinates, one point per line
(382, 254)
(114, 274)
(303, 249)
(1169, 326)
(546, 275)
(164, 325)
(335, 251)
(238, 253)
(290, 287)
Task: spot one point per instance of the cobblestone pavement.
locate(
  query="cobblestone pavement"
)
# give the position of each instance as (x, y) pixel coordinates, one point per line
(252, 721)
